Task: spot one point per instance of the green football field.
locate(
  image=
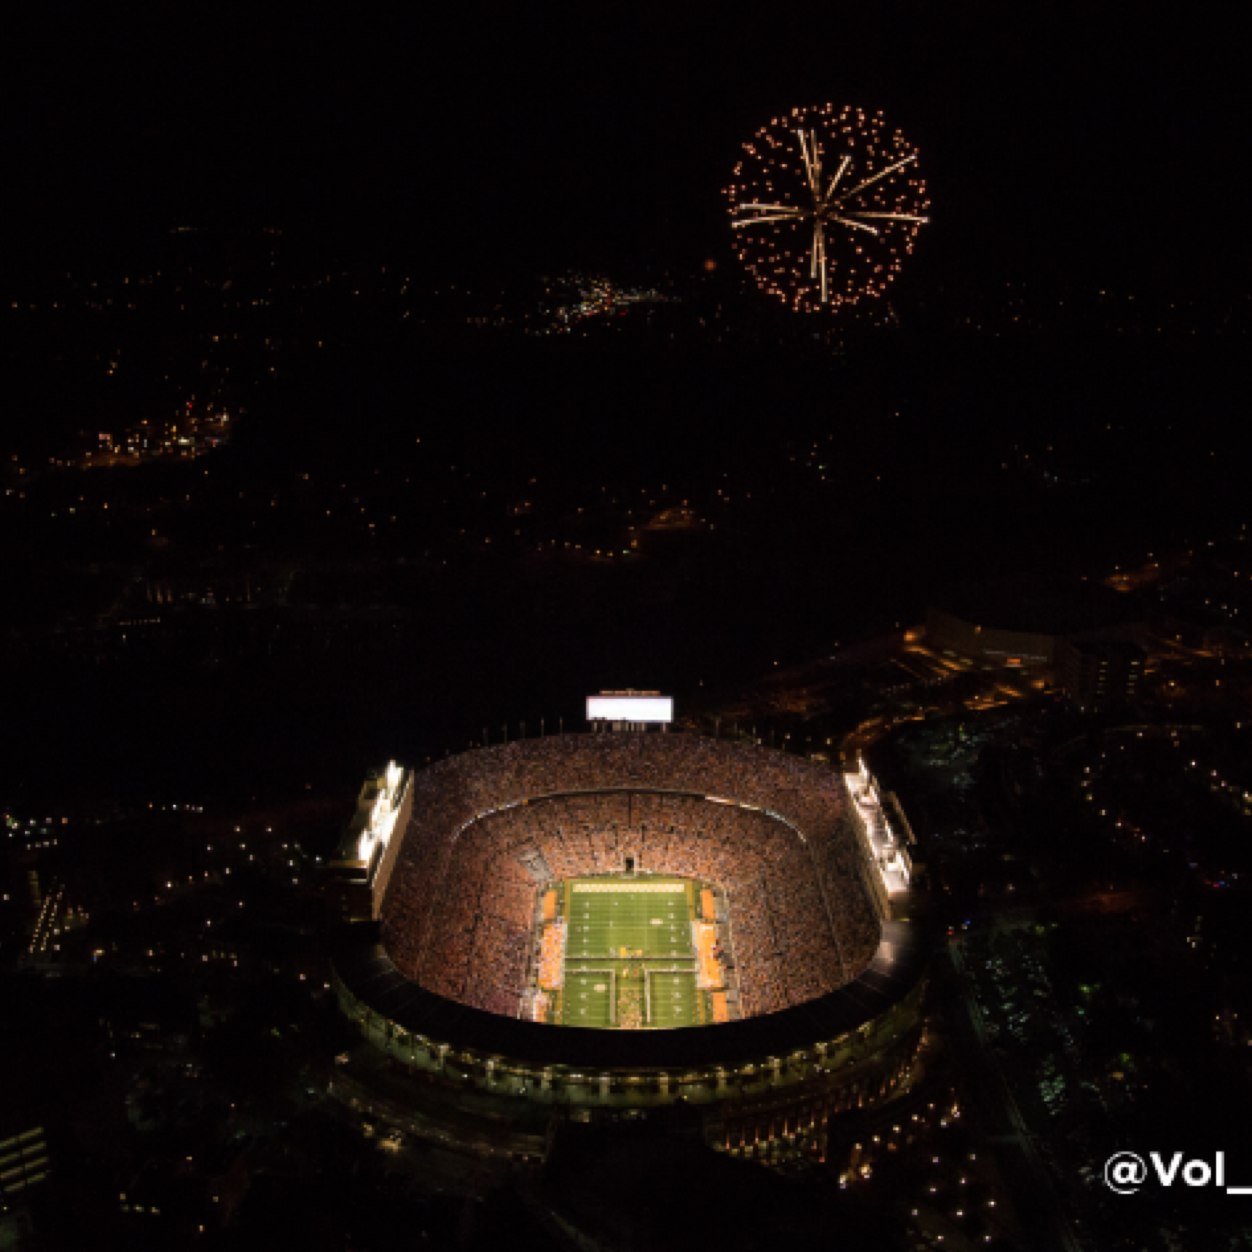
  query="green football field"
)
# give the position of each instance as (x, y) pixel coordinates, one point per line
(629, 961)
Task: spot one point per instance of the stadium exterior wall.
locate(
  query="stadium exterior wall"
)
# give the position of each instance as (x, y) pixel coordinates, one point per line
(859, 1066)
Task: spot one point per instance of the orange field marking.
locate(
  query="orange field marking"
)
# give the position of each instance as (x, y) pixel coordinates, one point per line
(708, 906)
(551, 957)
(710, 966)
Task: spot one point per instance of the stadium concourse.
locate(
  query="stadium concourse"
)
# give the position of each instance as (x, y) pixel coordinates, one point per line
(820, 1005)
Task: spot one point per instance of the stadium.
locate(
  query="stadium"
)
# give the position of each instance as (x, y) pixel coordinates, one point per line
(635, 921)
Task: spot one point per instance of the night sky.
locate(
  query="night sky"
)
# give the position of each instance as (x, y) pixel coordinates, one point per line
(379, 379)
(1100, 143)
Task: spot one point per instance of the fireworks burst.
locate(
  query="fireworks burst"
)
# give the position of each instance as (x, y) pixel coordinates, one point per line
(825, 204)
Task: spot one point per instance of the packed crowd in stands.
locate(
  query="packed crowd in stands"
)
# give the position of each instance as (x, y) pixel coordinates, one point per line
(493, 829)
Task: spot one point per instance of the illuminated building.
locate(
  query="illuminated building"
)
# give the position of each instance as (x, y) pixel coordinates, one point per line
(1100, 674)
(990, 645)
(1021, 621)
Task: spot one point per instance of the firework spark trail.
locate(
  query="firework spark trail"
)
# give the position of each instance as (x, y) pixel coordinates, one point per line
(863, 219)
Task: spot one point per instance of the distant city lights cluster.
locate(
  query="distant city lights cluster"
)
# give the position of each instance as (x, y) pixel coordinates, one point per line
(186, 435)
(575, 298)
(825, 204)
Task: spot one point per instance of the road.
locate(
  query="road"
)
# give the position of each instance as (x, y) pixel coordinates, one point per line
(994, 1112)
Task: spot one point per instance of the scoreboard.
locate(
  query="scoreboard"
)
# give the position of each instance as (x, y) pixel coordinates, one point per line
(634, 707)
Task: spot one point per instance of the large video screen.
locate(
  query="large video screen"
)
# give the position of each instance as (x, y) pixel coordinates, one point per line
(630, 708)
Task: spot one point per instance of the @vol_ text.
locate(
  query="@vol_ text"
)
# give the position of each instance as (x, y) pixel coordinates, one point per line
(1128, 1172)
